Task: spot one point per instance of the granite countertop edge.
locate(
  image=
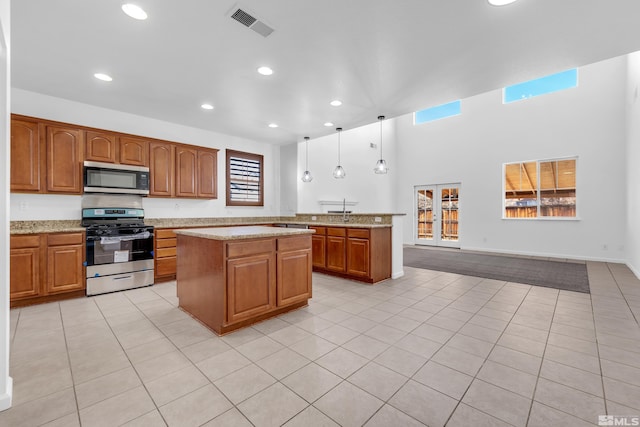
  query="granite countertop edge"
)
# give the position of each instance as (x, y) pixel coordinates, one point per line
(241, 233)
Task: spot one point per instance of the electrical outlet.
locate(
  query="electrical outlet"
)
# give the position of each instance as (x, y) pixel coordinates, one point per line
(377, 219)
(177, 206)
(313, 218)
(24, 206)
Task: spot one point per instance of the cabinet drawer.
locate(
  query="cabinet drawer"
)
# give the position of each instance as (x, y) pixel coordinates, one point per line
(165, 234)
(65, 239)
(362, 233)
(166, 243)
(336, 231)
(26, 241)
(166, 252)
(250, 248)
(294, 243)
(166, 266)
(320, 231)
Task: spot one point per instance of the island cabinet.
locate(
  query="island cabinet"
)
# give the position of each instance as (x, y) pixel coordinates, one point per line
(165, 255)
(359, 253)
(229, 284)
(46, 267)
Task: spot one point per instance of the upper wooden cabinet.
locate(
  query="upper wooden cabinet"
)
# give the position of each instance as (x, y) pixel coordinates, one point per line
(186, 172)
(100, 147)
(133, 151)
(207, 174)
(161, 169)
(64, 160)
(27, 156)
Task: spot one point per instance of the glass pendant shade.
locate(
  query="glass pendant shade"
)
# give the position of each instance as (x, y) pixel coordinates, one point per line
(381, 165)
(306, 176)
(339, 172)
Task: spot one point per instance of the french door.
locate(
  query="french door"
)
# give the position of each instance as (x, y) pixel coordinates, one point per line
(437, 213)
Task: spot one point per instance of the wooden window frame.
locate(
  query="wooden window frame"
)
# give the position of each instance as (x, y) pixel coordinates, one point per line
(248, 156)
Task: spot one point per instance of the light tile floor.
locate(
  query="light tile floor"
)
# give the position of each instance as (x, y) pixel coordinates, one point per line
(430, 349)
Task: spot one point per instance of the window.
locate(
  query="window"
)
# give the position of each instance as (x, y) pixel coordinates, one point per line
(543, 85)
(540, 189)
(436, 113)
(244, 179)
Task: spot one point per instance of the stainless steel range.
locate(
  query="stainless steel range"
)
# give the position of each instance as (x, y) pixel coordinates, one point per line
(119, 245)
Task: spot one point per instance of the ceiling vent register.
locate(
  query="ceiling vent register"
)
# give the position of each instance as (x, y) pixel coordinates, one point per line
(250, 22)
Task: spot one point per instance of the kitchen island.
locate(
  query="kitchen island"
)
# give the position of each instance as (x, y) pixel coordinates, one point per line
(231, 277)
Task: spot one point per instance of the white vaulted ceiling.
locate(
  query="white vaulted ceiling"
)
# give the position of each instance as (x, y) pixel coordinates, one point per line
(377, 56)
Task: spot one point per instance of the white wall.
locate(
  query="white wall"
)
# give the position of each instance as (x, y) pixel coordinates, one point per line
(633, 159)
(6, 388)
(587, 121)
(288, 179)
(373, 193)
(29, 206)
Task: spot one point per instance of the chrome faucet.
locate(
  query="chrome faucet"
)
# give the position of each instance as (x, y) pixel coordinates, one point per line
(345, 216)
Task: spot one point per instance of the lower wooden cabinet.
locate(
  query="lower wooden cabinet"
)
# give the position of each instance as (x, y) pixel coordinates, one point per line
(356, 253)
(165, 252)
(46, 266)
(230, 284)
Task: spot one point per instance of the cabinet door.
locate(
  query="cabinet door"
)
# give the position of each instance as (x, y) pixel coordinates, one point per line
(134, 151)
(358, 257)
(318, 250)
(336, 254)
(161, 169)
(207, 174)
(251, 286)
(100, 147)
(294, 277)
(64, 268)
(26, 267)
(64, 154)
(186, 172)
(27, 156)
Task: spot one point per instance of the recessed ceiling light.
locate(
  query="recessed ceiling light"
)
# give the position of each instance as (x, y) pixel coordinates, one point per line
(265, 71)
(328, 124)
(336, 103)
(134, 11)
(273, 125)
(501, 2)
(103, 77)
(207, 107)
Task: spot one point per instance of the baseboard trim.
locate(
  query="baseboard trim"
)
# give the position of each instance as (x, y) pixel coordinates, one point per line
(5, 399)
(397, 274)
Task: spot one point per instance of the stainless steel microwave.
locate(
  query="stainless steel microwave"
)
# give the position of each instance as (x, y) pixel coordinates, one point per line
(111, 178)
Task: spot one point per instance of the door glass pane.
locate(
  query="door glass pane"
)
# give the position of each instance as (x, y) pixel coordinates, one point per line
(449, 214)
(425, 214)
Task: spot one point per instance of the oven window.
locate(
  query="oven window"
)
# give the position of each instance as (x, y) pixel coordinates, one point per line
(114, 250)
(113, 179)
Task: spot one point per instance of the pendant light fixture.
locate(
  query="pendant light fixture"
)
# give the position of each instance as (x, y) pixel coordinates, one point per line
(381, 165)
(306, 176)
(338, 172)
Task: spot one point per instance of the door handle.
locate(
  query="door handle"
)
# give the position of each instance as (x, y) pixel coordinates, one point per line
(120, 278)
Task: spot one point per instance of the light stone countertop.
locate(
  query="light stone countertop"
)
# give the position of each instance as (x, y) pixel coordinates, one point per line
(242, 232)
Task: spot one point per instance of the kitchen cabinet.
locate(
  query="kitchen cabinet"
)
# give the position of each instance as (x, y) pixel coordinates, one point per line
(355, 253)
(161, 169)
(26, 261)
(318, 247)
(27, 157)
(133, 151)
(207, 174)
(64, 154)
(336, 249)
(165, 255)
(186, 171)
(294, 268)
(65, 257)
(46, 267)
(100, 147)
(228, 283)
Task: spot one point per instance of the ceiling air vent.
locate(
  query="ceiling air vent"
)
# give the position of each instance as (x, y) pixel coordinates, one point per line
(250, 22)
